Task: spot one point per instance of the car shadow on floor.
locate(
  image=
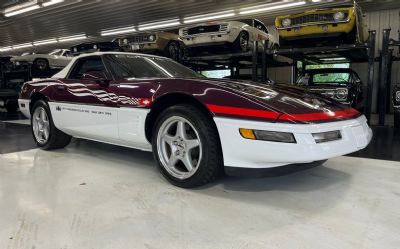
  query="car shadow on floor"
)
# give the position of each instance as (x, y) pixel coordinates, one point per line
(291, 179)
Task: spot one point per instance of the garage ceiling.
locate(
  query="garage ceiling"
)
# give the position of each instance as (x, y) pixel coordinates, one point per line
(91, 16)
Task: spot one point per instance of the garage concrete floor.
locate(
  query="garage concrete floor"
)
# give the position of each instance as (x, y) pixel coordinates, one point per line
(91, 195)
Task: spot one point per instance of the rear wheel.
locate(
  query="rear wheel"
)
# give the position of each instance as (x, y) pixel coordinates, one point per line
(45, 134)
(12, 108)
(173, 51)
(186, 147)
(242, 42)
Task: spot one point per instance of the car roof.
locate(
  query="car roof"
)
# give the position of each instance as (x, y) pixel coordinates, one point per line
(64, 72)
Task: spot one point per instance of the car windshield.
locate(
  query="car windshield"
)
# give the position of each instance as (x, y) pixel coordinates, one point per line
(339, 78)
(57, 52)
(125, 66)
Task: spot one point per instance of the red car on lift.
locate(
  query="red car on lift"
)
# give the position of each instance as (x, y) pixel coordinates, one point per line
(196, 127)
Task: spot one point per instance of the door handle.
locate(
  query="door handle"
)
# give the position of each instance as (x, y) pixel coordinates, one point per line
(60, 88)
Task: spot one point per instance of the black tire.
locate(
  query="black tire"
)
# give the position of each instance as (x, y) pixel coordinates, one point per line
(12, 108)
(211, 163)
(172, 50)
(41, 65)
(397, 119)
(241, 43)
(57, 139)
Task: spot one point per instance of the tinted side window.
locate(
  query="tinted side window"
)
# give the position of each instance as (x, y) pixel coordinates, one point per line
(260, 26)
(85, 65)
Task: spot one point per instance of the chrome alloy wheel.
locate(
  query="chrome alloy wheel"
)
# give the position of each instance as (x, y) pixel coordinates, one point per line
(179, 147)
(41, 125)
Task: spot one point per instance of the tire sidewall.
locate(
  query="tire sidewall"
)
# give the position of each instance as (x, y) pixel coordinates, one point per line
(199, 125)
(36, 66)
(45, 106)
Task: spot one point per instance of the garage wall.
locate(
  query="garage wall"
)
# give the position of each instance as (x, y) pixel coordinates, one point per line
(379, 20)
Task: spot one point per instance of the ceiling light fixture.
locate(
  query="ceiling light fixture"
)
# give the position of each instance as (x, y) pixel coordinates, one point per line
(51, 2)
(206, 17)
(269, 7)
(163, 24)
(334, 59)
(118, 31)
(44, 42)
(5, 49)
(25, 45)
(72, 38)
(20, 11)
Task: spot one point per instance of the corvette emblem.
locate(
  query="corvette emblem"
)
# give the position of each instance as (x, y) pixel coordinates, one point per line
(58, 108)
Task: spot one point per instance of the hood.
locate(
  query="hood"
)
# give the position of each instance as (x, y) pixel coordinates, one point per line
(290, 102)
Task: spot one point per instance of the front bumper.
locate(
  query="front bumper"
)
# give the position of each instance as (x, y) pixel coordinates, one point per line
(23, 105)
(208, 39)
(317, 30)
(256, 154)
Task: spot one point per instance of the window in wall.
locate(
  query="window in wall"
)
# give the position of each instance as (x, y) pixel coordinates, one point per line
(323, 66)
(216, 73)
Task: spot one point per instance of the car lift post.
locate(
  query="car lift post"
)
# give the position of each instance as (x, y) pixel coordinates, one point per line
(383, 81)
(371, 72)
(255, 61)
(264, 61)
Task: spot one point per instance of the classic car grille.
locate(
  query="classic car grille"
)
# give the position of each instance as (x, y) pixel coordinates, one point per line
(203, 29)
(314, 18)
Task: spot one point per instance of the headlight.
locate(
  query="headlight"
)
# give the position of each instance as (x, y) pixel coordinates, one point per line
(338, 16)
(272, 136)
(152, 38)
(398, 96)
(286, 22)
(342, 93)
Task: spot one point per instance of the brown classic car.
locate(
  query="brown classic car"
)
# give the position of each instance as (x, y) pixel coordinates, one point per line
(163, 43)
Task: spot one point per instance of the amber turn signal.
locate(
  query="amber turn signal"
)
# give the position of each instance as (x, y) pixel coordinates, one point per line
(247, 133)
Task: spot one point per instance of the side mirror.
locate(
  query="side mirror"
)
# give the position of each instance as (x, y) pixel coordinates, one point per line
(98, 76)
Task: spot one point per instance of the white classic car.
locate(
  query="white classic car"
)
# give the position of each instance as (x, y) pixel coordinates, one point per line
(58, 58)
(238, 34)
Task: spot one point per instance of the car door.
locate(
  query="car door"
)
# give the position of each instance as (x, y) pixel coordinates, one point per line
(86, 107)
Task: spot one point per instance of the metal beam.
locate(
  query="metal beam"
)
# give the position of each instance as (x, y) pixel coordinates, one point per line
(383, 81)
(371, 73)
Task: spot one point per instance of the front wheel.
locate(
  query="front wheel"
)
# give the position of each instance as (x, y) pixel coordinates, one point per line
(45, 134)
(41, 64)
(186, 147)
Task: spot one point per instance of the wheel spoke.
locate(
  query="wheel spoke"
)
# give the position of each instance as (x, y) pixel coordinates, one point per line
(187, 162)
(172, 161)
(192, 143)
(180, 129)
(168, 139)
(43, 115)
(45, 134)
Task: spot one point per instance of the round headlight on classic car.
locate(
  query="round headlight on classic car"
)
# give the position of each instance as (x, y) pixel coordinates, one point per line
(398, 96)
(286, 22)
(152, 38)
(338, 16)
(342, 93)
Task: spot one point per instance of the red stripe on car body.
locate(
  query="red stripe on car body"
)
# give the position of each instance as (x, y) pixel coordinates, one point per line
(229, 110)
(303, 117)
